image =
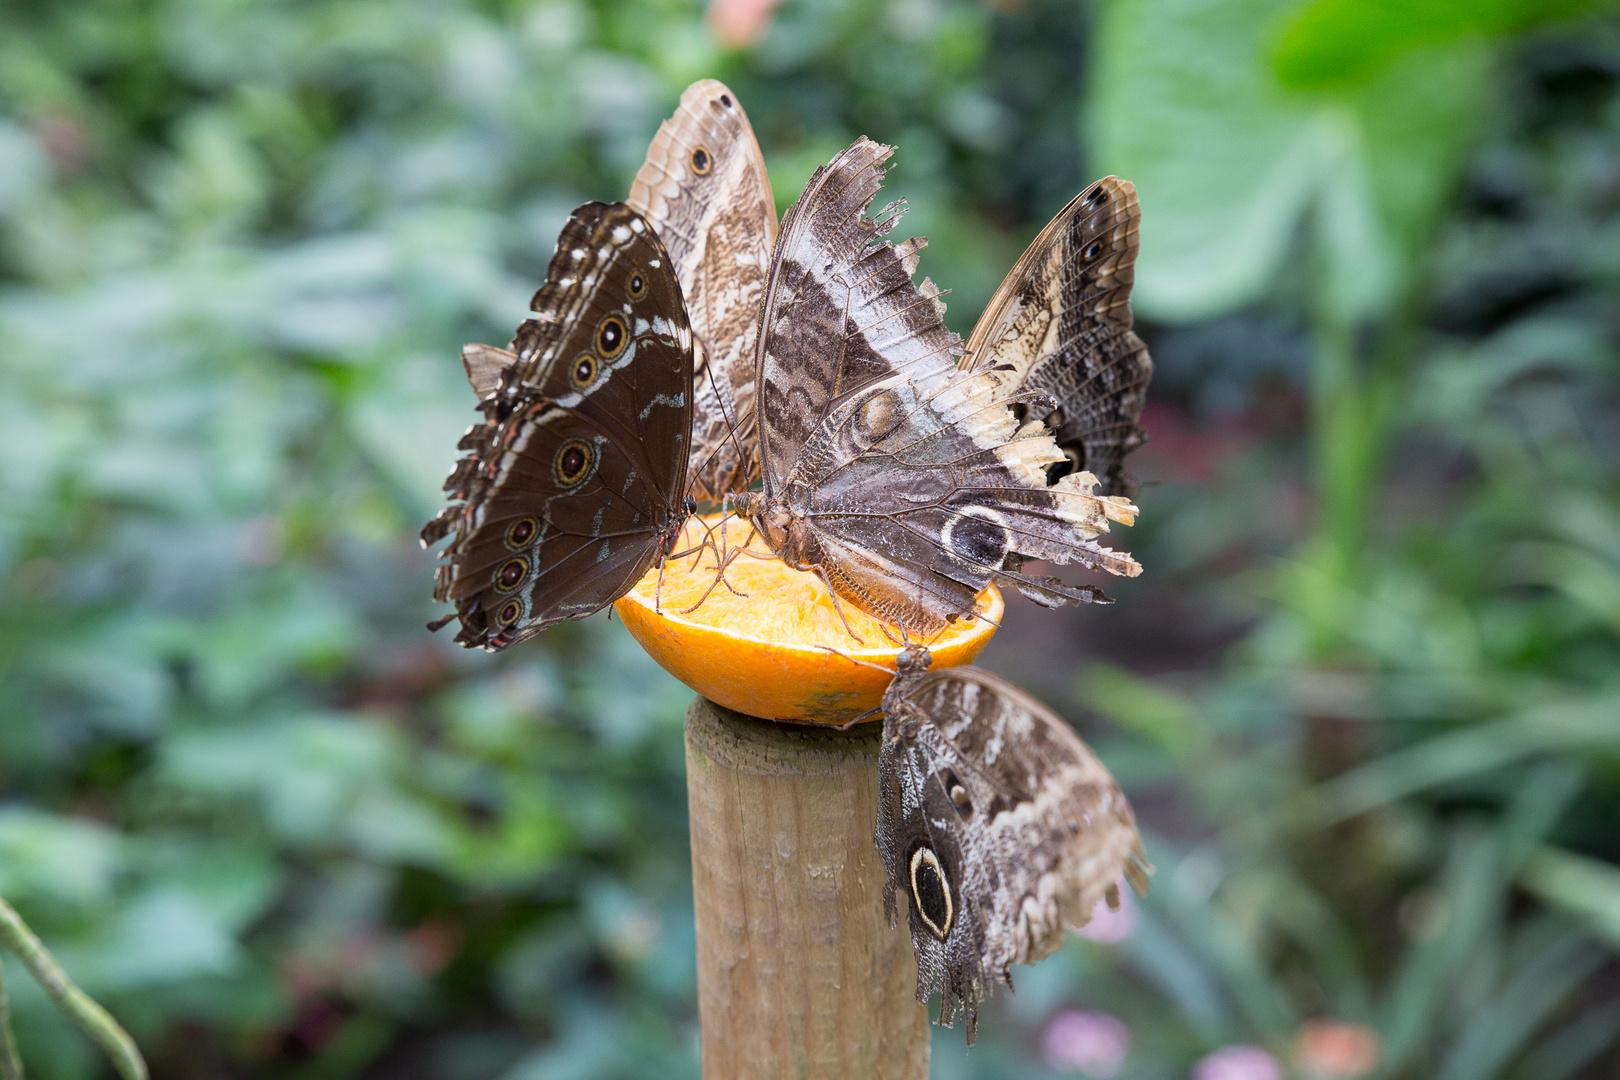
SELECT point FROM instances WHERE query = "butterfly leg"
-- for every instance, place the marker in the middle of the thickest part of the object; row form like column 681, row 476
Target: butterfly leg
column 832, row 592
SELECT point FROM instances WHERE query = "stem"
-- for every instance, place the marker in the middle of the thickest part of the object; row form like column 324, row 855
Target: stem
column 10, row 1061
column 1355, row 404
column 73, row 1002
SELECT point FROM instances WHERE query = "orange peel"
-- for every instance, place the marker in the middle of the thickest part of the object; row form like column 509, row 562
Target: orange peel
column 766, row 649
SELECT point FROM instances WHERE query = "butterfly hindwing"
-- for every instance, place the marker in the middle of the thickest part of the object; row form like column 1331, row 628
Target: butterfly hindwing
column 575, row 483
column 991, row 793
column 1062, row 321
column 704, row 189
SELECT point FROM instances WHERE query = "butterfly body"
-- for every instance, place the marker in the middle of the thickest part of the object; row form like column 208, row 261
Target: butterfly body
column 997, row 825
column 575, row 483
column 902, row 478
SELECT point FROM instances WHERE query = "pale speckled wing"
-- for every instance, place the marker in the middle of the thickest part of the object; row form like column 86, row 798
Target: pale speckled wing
column 705, row 190
column 1062, row 321
column 1029, row 827
column 912, row 484
column 485, row 364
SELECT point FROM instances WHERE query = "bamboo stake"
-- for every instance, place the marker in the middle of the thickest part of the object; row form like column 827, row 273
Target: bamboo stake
column 799, row 973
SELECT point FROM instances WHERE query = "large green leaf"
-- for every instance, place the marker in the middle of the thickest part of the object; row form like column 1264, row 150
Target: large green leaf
column 1229, row 162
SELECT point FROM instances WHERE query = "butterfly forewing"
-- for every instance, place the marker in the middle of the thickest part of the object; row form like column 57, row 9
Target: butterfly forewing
column 575, row 484
column 704, row 189
column 1028, row 828
column 1062, row 321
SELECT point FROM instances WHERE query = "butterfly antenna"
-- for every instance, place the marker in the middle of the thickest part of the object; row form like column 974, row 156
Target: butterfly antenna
column 722, row 395
column 846, row 725
column 857, row 660
column 727, row 407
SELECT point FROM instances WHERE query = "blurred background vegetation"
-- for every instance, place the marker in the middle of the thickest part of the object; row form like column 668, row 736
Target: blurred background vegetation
column 1366, row 698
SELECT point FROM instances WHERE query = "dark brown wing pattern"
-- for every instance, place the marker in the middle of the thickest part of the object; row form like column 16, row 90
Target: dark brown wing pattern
column 574, row 484
column 905, row 480
column 705, row 190
column 997, row 824
column 1062, row 321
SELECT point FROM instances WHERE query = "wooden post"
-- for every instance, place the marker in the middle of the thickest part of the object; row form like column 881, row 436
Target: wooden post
column 799, row 974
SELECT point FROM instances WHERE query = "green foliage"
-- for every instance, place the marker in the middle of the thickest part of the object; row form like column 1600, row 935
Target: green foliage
column 282, row 831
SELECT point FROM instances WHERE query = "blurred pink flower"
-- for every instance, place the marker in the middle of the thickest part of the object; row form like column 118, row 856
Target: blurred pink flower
column 1237, row 1063
column 1111, row 926
column 1092, row 1042
column 1333, row 1048
column 738, row 23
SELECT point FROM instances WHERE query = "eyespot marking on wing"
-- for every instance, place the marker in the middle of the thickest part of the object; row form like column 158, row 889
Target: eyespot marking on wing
column 931, row 892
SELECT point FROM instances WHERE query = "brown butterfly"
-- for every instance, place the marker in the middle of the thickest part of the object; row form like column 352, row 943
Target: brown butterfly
column 997, row 823
column 576, row 481
column 1062, row 321
column 903, row 479
column 704, row 189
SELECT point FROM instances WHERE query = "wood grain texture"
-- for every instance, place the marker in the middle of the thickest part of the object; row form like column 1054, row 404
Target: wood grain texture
column 799, row 973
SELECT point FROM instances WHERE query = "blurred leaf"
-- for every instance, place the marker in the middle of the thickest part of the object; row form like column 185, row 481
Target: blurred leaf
column 1228, row 163
column 1498, row 1032
column 50, row 858
column 1166, row 718
column 1572, row 725
column 1334, row 42
column 1587, row 887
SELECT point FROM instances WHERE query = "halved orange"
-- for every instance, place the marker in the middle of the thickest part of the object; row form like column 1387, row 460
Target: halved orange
column 759, row 649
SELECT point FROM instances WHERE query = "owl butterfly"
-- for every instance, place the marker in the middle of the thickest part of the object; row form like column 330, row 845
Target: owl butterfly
column 1062, row 322
column 575, row 482
column 704, row 189
column 905, row 480
column 998, row 825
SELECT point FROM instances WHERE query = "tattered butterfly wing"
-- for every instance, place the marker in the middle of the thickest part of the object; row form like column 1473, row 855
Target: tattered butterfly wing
column 997, row 824
column 575, row 485
column 904, row 479
column 485, row 364
column 841, row 311
column 1062, row 321
column 705, row 190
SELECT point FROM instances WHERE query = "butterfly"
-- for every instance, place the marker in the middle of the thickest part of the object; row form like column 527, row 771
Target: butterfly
column 998, row 825
column 575, row 483
column 704, row 189
column 903, row 479
column 1062, row 321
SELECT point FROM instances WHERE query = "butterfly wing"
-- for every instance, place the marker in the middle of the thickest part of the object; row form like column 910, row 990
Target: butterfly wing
column 1062, row 321
column 908, row 480
column 840, row 309
column 705, row 191
column 999, row 826
column 574, row 484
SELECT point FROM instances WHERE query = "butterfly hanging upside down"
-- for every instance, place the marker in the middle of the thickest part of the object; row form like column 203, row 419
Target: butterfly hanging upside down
column 999, row 826
column 902, row 477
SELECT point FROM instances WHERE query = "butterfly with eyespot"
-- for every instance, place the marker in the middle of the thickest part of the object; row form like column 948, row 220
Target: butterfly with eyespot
column 704, row 189
column 902, row 478
column 575, row 483
column 1062, row 321
column 997, row 823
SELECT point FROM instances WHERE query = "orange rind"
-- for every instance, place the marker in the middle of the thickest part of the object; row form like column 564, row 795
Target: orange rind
column 769, row 642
